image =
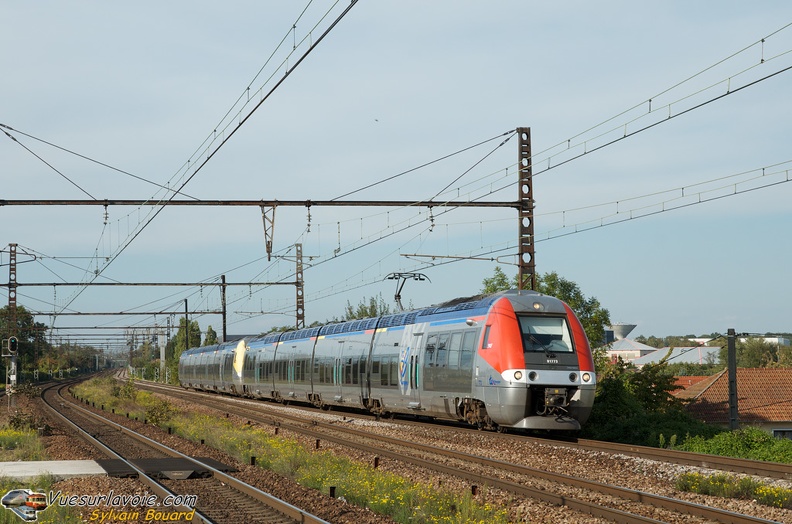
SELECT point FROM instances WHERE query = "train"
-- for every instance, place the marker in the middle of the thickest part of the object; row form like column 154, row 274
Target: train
column 510, row 360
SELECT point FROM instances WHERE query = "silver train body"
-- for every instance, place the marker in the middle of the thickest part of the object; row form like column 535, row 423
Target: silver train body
column 507, row 360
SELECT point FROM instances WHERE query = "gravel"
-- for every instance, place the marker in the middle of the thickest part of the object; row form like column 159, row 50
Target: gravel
column 636, row 473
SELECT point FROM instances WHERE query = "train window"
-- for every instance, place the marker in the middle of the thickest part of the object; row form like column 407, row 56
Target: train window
column 485, row 339
column 395, row 374
column 442, row 350
column 431, row 346
column 545, row 334
column 347, row 371
column 454, row 347
column 384, row 375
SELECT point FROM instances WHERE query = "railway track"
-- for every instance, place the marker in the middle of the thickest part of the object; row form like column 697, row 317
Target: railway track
column 217, row 496
column 612, row 502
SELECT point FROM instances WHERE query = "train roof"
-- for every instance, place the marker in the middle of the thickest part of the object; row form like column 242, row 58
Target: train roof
column 447, row 309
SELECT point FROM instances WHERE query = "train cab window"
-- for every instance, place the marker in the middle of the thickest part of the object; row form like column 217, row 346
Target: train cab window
column 485, row 338
column 545, row 334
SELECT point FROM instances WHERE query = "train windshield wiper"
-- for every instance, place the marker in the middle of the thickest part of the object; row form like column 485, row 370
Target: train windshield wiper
column 545, row 347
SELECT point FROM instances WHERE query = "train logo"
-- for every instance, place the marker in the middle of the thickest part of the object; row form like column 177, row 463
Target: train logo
column 25, row 503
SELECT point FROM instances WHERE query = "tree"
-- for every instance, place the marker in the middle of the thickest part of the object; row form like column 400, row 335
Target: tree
column 32, row 336
column 753, row 353
column 211, row 337
column 376, row 307
column 592, row 315
column 785, row 356
column 498, row 282
column 178, row 344
column 652, row 341
column 680, row 342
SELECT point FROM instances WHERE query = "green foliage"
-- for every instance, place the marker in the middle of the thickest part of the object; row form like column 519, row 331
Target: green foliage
column 20, row 442
column 653, row 387
column 746, row 488
column 126, row 399
column 375, row 307
column 750, row 443
column 158, row 411
column 636, row 407
column 498, row 282
column 128, row 391
column 689, row 369
column 178, row 344
column 753, row 353
column 211, row 337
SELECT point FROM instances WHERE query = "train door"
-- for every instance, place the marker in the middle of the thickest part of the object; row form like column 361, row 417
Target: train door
column 338, row 372
column 415, row 393
column 409, row 365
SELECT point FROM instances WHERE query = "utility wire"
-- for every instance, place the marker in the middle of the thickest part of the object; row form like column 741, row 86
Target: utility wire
column 213, row 152
column 416, row 168
column 89, row 159
column 72, row 182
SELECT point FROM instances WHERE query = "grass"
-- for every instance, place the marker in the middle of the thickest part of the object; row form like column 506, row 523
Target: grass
column 746, row 488
column 360, row 484
column 20, row 444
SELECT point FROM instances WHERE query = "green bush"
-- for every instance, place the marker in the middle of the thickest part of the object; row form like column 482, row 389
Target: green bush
column 750, row 443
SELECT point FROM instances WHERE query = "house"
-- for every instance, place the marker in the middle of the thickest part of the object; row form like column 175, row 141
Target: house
column 628, row 350
column 764, row 399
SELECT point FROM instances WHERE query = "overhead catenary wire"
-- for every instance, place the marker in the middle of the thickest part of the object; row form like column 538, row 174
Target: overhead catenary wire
column 89, row 159
column 505, row 187
column 69, row 180
column 143, row 225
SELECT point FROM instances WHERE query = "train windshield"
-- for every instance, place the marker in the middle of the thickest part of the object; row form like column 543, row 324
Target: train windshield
column 548, row 334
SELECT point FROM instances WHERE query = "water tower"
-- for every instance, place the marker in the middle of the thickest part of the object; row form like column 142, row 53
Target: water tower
column 621, row 331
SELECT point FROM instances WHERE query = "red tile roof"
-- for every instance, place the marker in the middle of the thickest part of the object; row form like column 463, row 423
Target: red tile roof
column 763, row 395
column 689, row 380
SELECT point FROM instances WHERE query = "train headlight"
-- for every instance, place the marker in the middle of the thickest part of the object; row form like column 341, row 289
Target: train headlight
column 586, row 377
column 573, row 377
column 517, row 375
column 538, row 306
column 532, row 375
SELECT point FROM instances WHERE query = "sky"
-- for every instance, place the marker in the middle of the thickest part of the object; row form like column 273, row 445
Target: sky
column 659, row 131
